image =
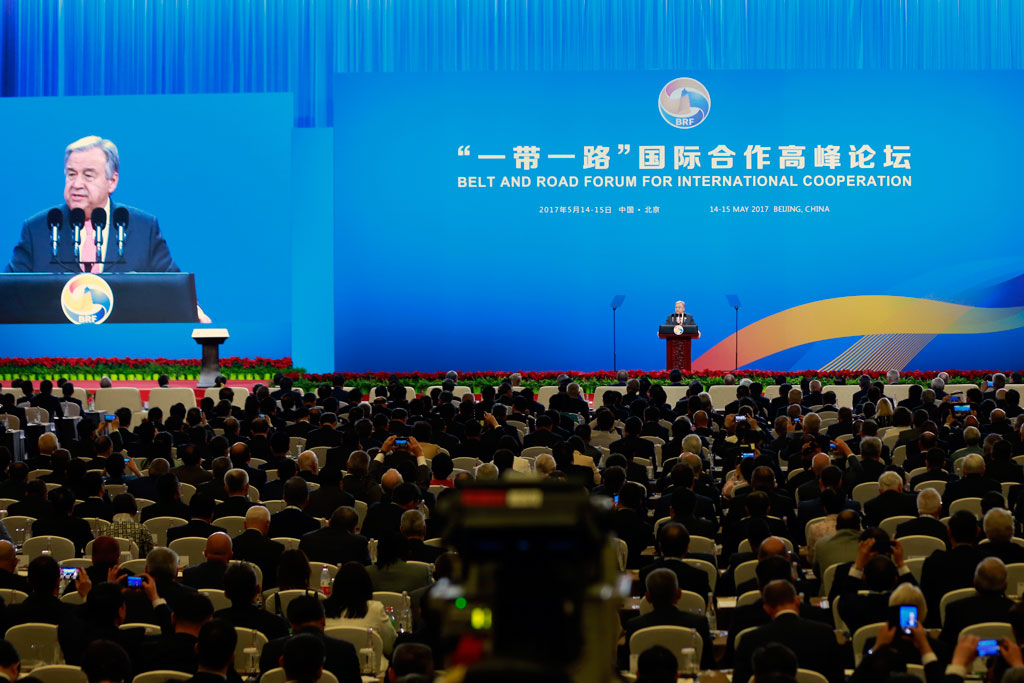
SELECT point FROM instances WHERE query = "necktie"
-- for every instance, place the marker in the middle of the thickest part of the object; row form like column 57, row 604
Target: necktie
column 88, row 249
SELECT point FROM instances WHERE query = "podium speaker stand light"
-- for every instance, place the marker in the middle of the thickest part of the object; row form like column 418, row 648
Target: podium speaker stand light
column 211, row 339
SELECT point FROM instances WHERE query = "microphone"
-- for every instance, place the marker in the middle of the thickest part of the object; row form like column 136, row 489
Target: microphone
column 77, row 223
column 56, row 220
column 121, row 221
column 99, row 221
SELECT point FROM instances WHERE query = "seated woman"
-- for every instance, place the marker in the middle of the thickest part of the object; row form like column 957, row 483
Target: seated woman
column 293, row 573
column 351, row 603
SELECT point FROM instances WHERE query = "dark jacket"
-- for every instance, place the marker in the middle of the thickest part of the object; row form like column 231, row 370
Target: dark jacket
column 335, row 546
column 342, row 660
column 252, row 546
column 813, row 643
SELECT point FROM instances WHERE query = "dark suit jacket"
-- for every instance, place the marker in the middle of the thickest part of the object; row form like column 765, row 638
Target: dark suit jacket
column 251, row 616
column 634, row 445
column 974, row 610
column 72, row 528
column 925, row 526
column 37, row 607
column 690, row 578
column 813, row 643
column 889, row 504
column 145, row 250
column 49, row 403
column 252, row 546
column 205, row 575
column 944, row 571
column 335, row 546
column 382, row 518
column 326, row 499
column 421, row 552
column 172, row 509
column 291, row 523
column 673, row 616
column 971, row 486
column 234, row 506
column 13, row 581
column 323, row 436
column 1009, row 553
column 342, row 660
column 541, row 437
column 754, row 615
column 638, row 534
column 143, row 487
column 195, row 528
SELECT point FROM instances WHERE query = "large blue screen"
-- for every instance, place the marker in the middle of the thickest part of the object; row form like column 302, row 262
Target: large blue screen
column 906, row 263
column 216, row 170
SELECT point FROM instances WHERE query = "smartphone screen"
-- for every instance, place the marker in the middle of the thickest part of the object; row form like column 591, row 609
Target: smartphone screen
column 954, row 399
column 68, row 573
column 987, row 648
column 108, row 418
column 961, row 409
column 741, row 418
column 135, row 582
column 748, row 455
column 908, row 617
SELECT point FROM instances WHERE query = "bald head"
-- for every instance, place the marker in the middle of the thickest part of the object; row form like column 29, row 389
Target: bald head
column 48, row 443
column 258, row 517
column 820, row 462
column 8, row 557
column 218, row 547
column 308, row 462
column 773, row 546
column 390, row 480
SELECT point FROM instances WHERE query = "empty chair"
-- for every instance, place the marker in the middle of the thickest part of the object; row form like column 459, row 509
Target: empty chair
column 165, row 397
column 972, row 505
column 112, row 398
column 745, row 572
column 861, row 637
column 60, row 673
column 158, row 526
column 233, row 524
column 744, row 546
column 862, row 493
column 920, row 546
column 35, row 643
column 673, row 638
column 126, row 546
column 217, row 597
column 191, row 547
column 359, row 637
column 11, row 596
column 276, row 601
column 58, row 547
column 748, row 598
column 161, row 675
column 278, row 676
column 889, row 524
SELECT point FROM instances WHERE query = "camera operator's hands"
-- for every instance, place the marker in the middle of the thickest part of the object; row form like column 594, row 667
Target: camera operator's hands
column 83, row 584
column 389, row 444
column 1011, row 652
column 112, row 573
column 843, row 447
column 415, row 448
column 133, row 467
column 966, row 651
column 491, row 421
column 149, row 587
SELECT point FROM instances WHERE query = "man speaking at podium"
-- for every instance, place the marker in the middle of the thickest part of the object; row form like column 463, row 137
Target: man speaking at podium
column 683, row 320
column 90, row 177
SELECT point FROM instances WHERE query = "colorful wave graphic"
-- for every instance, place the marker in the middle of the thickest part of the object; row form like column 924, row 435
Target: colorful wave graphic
column 895, row 328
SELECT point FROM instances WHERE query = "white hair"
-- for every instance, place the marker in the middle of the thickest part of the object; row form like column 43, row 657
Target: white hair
column 257, row 513
column 974, row 464
column 544, row 464
column 893, row 376
column 746, row 382
column 889, row 481
column 814, row 385
column 91, row 141
column 884, row 407
column 929, row 501
column 705, row 399
column 938, row 384
column 998, row 525
column 487, row 471
column 909, row 594
column 692, row 444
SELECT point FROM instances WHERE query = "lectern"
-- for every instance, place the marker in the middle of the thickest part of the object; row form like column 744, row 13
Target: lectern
column 677, row 345
column 211, row 338
column 126, row 297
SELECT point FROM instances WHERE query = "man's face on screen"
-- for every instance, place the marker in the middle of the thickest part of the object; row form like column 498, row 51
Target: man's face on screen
column 86, row 185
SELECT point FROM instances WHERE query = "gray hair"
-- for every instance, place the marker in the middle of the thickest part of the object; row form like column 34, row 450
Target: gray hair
column 812, row 423
column 974, row 464
column 893, row 376
column 692, row 444
column 235, row 480
column 998, row 525
column 938, row 384
column 91, row 141
column 705, row 400
column 929, row 501
column 909, row 594
column 413, row 525
column 162, row 563
column 544, row 464
column 972, row 435
column 890, row 481
column 870, row 446
column 515, row 379
column 795, row 395
column 573, row 390
column 990, row 576
column 928, row 396
column 998, row 380
column 622, row 376
column 487, row 471
column 814, row 385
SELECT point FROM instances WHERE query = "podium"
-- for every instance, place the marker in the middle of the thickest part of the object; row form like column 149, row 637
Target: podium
column 677, row 346
column 27, row 298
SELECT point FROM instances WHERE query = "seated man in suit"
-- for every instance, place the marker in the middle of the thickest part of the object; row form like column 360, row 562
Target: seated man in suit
column 215, row 652
column 935, row 464
column 252, row 545
column 873, row 541
column 998, row 526
column 292, row 521
column 200, row 516
column 890, row 501
column 813, row 643
column 947, row 570
column 236, row 485
column 929, row 507
column 877, row 577
column 414, row 527
column 63, row 524
column 629, row 524
column 177, row 650
column 338, row 542
column 210, row 574
column 663, row 592
column 673, row 546
column 990, row 604
column 306, row 616
column 242, row 589
column 974, row 483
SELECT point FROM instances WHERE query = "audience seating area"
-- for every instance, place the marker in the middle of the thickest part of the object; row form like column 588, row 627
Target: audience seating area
column 744, row 516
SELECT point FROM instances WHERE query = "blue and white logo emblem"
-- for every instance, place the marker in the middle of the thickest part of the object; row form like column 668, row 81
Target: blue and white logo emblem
column 684, row 103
